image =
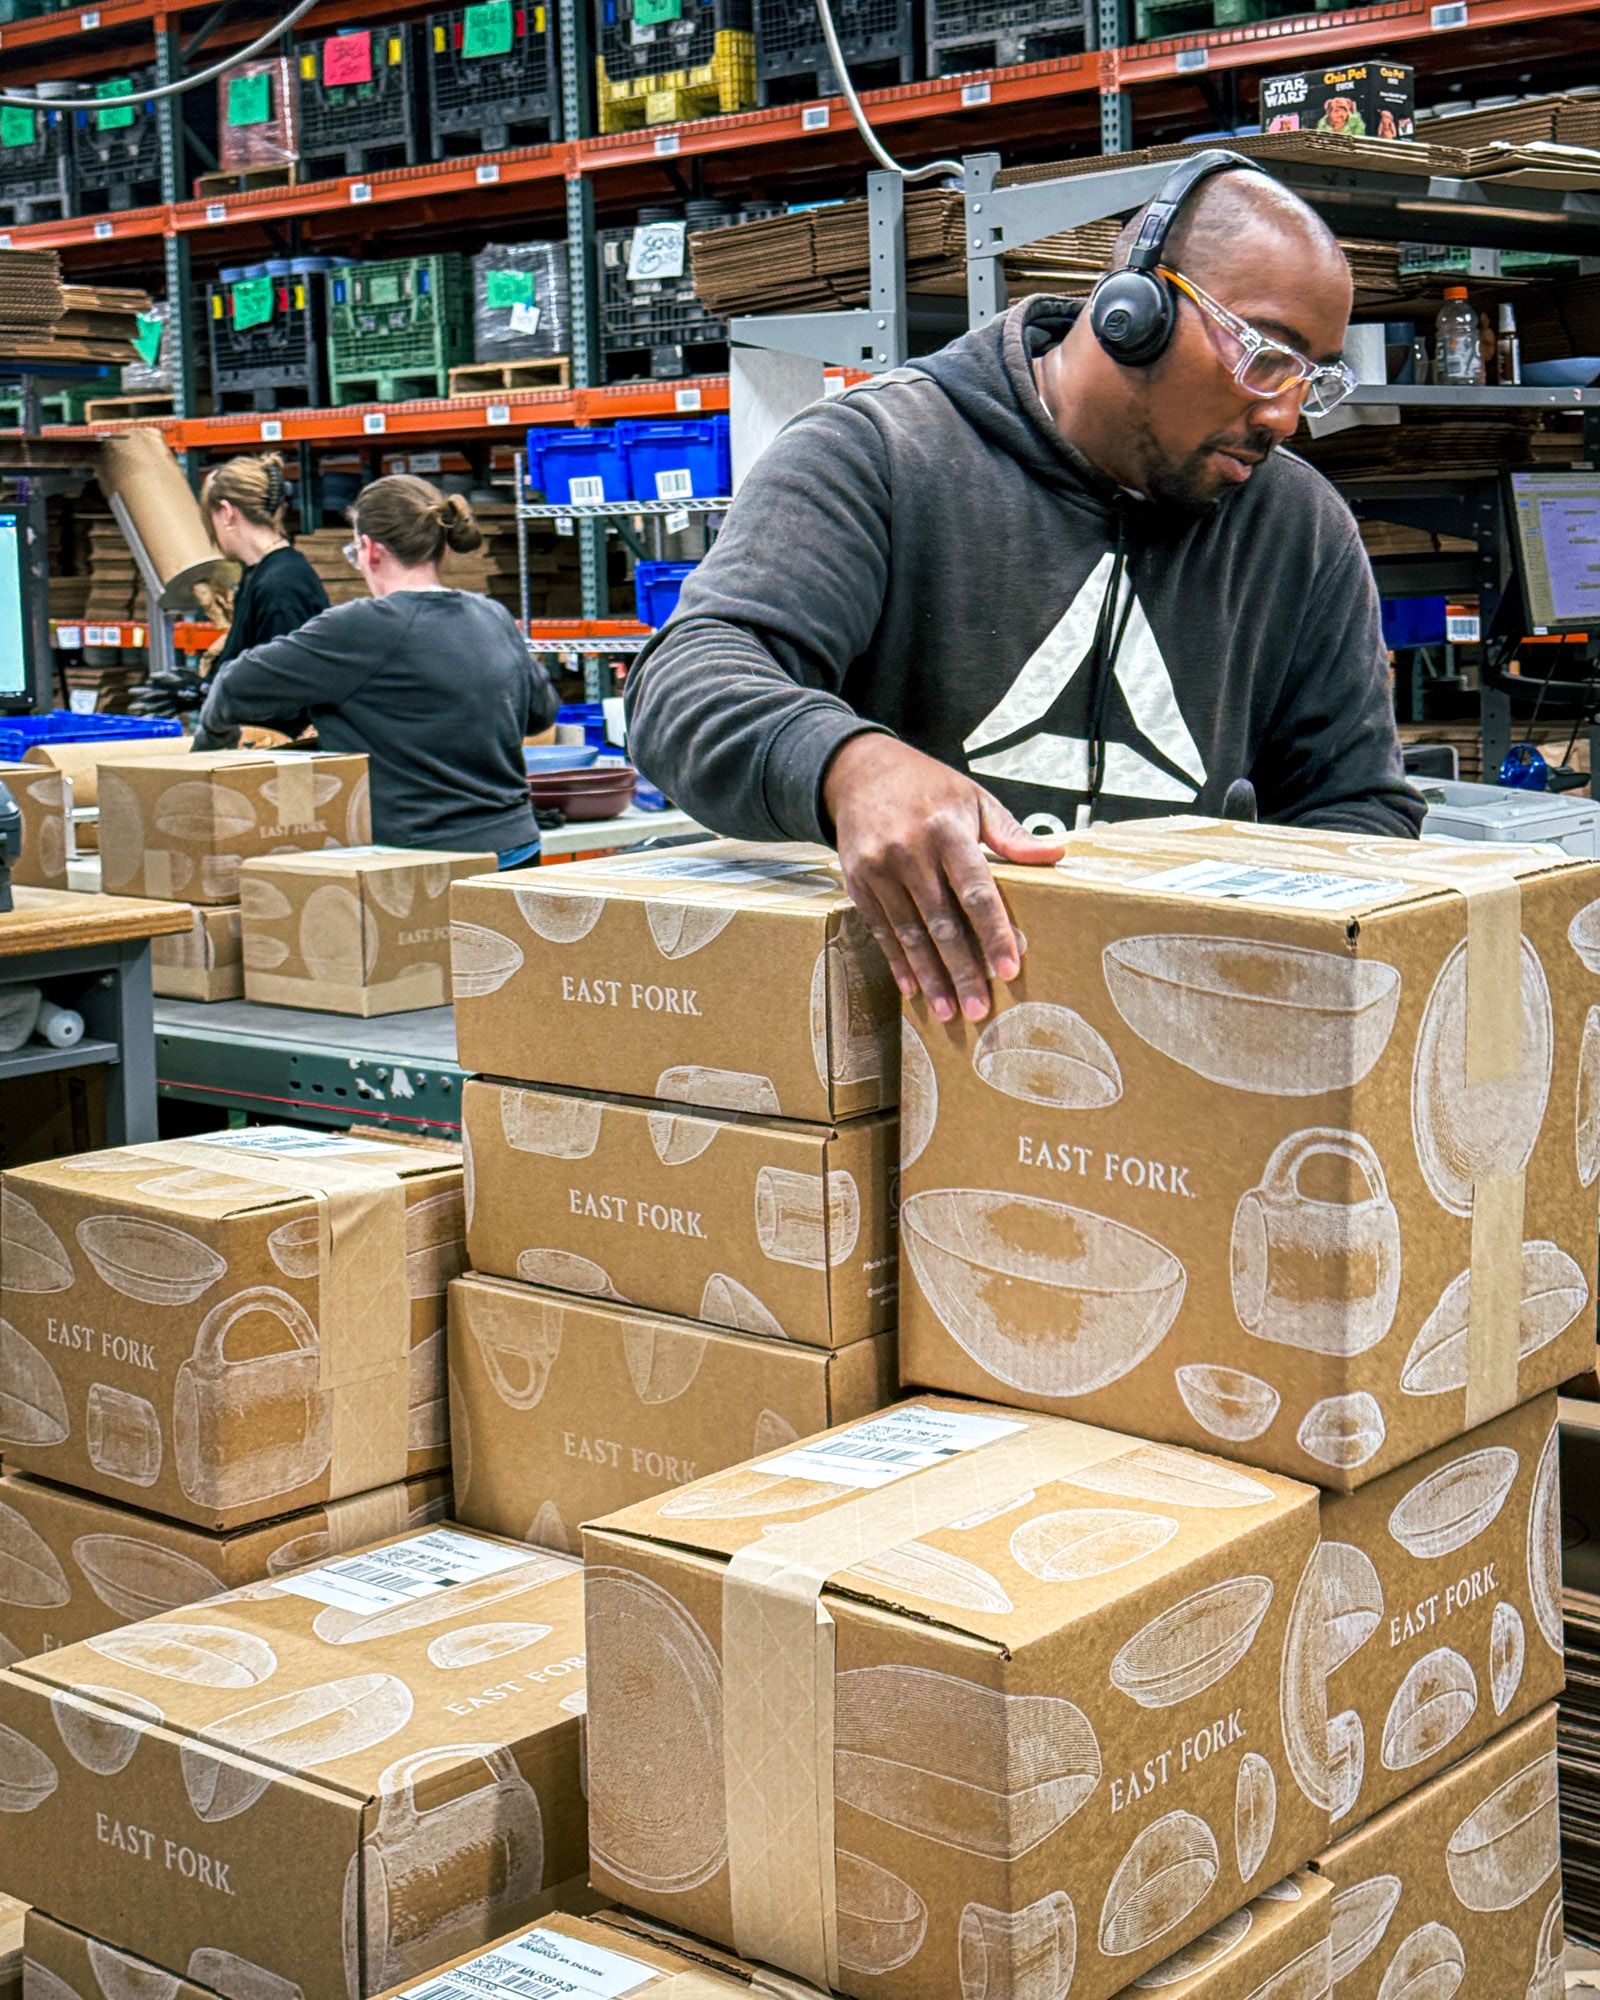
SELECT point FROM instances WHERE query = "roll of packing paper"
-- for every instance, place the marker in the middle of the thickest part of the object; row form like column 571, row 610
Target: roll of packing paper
column 61, row 1027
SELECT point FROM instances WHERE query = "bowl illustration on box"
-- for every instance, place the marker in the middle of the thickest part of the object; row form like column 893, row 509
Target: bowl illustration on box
column 1027, row 1954
column 305, row 1729
column 557, row 917
column 1054, row 1300
column 852, row 1012
column 1255, row 1813
column 1163, row 1879
column 32, row 1257
column 149, row 1261
column 251, row 1425
column 882, row 1920
column 30, row 1575
column 1508, row 1847
column 1282, row 1020
column 138, row 1579
column 1554, row 1292
column 200, row 1655
column 936, row 1576
column 33, row 1409
column 1361, row 1918
column 101, row 1739
column 1045, row 1054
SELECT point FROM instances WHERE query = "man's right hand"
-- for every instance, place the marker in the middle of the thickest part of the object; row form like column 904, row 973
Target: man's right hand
column 910, row 833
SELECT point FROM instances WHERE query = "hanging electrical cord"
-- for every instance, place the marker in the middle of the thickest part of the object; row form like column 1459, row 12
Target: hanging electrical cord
column 175, row 89
column 869, row 138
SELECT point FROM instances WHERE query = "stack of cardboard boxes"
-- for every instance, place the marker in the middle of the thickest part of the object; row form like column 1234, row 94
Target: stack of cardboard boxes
column 680, row 1165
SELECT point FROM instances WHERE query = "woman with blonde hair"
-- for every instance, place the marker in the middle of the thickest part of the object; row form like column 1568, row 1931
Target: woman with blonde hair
column 243, row 501
column 436, row 686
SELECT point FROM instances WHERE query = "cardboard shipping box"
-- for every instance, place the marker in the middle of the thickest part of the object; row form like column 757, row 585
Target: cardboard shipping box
column 1458, row 1887
column 1443, row 1582
column 563, row 1409
column 755, row 1223
column 78, row 763
column 226, row 1328
column 204, row 963
column 178, row 827
column 1283, row 1145
column 1059, row 1670
column 13, row 1927
column 73, row 1566
column 1351, row 100
column 731, row 975
column 332, row 1781
column 351, row 932
column 44, row 801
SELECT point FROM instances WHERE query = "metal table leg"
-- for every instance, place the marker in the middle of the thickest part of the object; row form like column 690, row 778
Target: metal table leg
column 117, row 1008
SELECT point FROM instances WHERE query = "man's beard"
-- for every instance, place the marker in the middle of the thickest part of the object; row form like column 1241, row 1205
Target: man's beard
column 1188, row 487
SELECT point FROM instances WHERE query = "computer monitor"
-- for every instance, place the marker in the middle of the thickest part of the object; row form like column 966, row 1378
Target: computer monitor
column 1555, row 518
column 15, row 687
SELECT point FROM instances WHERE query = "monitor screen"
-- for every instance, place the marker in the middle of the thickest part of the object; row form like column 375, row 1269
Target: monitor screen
column 13, row 614
column 1556, row 522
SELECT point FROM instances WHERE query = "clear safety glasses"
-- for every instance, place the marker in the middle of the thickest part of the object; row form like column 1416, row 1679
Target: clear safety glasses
column 1265, row 368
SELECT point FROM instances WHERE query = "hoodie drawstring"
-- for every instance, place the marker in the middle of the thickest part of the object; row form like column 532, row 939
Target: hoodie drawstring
column 1109, row 629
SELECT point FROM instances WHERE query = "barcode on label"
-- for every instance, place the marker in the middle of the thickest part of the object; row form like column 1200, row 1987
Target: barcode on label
column 565, row 525
column 1462, row 628
column 102, row 230
column 901, row 1442
column 361, row 190
column 271, row 430
column 497, row 413
column 882, row 1454
column 976, row 93
column 89, row 20
column 216, row 211
column 541, row 1965
column 667, row 142
column 1192, row 59
column 487, row 172
column 677, row 521
column 69, row 635
column 5, row 239
column 814, row 118
column 419, row 1567
column 374, row 422
column 678, row 484
column 686, row 399
column 1229, row 882
column 588, row 492
column 1453, row 14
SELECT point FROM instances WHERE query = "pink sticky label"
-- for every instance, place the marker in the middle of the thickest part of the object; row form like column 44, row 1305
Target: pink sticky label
column 347, row 59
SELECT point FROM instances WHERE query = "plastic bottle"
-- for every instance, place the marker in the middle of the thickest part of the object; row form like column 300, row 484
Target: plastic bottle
column 1457, row 352
column 1508, row 350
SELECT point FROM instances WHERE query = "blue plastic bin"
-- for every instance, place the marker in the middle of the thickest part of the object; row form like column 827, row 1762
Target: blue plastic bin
column 557, row 457
column 19, row 733
column 590, row 717
column 657, row 587
column 687, row 460
column 1413, row 621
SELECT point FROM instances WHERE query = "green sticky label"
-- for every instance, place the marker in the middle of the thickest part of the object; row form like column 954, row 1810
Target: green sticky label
column 119, row 117
column 649, row 13
column 16, row 125
column 252, row 303
column 510, row 288
column 147, row 338
column 250, row 99
column 486, row 30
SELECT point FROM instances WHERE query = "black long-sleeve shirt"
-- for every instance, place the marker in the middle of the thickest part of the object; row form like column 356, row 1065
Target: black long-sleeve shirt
column 274, row 596
column 437, row 687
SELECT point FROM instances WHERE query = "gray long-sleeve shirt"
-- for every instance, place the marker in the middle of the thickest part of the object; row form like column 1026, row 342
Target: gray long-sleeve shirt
column 436, row 686
column 927, row 554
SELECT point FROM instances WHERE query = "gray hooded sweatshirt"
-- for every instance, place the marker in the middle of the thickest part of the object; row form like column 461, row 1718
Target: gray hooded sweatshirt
column 928, row 555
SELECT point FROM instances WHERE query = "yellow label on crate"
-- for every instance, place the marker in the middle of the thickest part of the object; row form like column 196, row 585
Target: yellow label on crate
column 299, row 297
column 216, row 305
column 396, row 53
column 308, row 65
column 538, row 20
column 438, row 40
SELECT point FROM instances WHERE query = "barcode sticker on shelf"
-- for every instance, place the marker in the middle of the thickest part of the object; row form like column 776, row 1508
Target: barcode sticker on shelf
column 667, row 142
column 374, row 423
column 82, row 701
column 565, row 525
column 379, row 1579
column 102, row 230
column 1192, row 59
column 1233, row 882
column 678, row 484
column 89, row 20
column 685, row 400
column 540, row 1965
column 70, row 635
column 975, row 93
column 587, row 492
column 92, row 636
column 890, row 1447
column 1452, row 14
column 814, row 118
column 271, row 430
column 677, row 521
column 5, row 239
column 138, row 638
column 216, row 211
column 421, row 461
column 487, row 173
column 1461, row 628
column 497, row 413
column 361, row 190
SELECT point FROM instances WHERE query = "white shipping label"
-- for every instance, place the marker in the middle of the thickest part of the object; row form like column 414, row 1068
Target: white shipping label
column 1231, row 882
column 524, row 318
column 678, row 521
column 541, row 1966
column 675, row 485
column 889, row 1447
column 379, row 1579
column 657, row 251
column 290, row 1139
column 587, row 492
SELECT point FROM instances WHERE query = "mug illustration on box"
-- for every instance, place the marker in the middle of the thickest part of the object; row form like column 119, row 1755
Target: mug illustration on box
column 1319, row 1270
column 250, row 1428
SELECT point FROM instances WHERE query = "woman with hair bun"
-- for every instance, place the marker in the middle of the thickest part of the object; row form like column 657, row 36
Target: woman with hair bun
column 242, row 501
column 436, row 686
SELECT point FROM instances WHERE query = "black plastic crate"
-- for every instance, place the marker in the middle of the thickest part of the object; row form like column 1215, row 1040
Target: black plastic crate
column 117, row 153
column 35, row 165
column 269, row 363
column 494, row 77
column 630, row 46
column 878, row 39
column 361, row 95
column 995, row 34
column 655, row 325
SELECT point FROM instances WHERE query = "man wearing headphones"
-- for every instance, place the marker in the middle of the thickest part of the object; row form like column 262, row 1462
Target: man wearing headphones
column 1057, row 573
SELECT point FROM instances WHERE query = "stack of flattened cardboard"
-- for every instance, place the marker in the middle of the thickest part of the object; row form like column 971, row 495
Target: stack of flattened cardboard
column 43, row 320
column 681, row 1149
column 30, row 290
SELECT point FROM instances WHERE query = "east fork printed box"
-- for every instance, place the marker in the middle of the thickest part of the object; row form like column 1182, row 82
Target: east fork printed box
column 327, row 1783
column 1443, row 1589
column 1458, row 1887
column 351, row 932
column 231, row 1327
column 203, row 963
column 1069, row 1688
column 731, row 975
column 759, row 1224
column 1283, row 1145
column 42, row 799
column 73, row 1566
column 178, row 827
column 563, row 1409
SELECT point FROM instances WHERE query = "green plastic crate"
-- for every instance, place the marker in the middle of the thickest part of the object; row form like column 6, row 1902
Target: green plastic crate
column 396, row 328
column 56, row 406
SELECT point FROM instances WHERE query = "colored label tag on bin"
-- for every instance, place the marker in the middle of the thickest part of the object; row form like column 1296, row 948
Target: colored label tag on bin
column 252, row 303
column 250, row 99
column 120, row 116
column 16, row 125
column 347, row 59
column 147, row 338
column 486, row 29
column 509, row 288
column 648, row 13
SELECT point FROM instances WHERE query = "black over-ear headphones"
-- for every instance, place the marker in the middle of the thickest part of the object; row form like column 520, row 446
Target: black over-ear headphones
column 1134, row 311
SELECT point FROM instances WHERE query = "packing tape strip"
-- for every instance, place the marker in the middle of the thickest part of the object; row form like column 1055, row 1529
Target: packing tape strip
column 296, row 790
column 777, row 1678
column 367, row 1517
column 158, row 873
column 365, row 1303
